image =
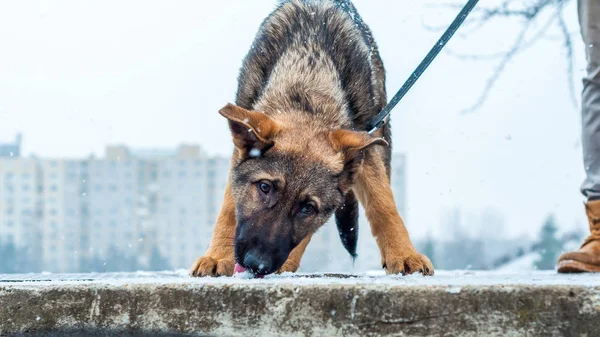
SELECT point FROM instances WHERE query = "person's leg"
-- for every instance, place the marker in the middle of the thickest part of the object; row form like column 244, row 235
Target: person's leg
column 589, row 18
column 587, row 258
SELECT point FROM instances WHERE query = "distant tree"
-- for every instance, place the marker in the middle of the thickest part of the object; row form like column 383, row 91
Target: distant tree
column 158, row 261
column 504, row 259
column 429, row 249
column 114, row 261
column 9, row 258
column 92, row 264
column 462, row 251
column 15, row 259
column 549, row 245
column 119, row 261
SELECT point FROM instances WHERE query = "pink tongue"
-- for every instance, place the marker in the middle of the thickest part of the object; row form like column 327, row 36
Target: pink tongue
column 239, row 269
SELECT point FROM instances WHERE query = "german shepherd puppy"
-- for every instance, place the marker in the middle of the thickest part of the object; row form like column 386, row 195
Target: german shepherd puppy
column 308, row 89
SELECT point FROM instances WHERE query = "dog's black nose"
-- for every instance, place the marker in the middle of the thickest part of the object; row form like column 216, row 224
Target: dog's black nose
column 258, row 264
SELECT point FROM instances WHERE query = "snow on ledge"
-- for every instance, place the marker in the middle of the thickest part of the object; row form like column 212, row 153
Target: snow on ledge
column 454, row 279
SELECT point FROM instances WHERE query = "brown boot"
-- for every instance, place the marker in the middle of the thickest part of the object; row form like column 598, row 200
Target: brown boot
column 587, row 258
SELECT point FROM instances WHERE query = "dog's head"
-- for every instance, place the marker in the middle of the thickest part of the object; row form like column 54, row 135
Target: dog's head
column 288, row 178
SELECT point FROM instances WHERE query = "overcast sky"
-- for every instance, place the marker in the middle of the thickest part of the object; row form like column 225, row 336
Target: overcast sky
column 78, row 75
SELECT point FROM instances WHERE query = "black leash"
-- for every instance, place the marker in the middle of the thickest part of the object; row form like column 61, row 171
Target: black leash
column 380, row 119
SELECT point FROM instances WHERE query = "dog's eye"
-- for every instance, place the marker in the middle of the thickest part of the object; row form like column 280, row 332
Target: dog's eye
column 264, row 187
column 307, row 209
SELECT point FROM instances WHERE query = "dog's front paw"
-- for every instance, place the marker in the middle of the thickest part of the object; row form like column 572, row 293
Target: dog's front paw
column 208, row 266
column 408, row 264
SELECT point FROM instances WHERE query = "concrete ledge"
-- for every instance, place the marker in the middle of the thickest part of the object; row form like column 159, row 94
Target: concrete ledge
column 171, row 304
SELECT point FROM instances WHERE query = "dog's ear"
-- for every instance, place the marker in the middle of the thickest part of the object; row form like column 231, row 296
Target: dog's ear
column 252, row 131
column 351, row 143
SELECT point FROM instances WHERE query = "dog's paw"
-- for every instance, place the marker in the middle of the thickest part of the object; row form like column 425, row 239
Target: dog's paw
column 408, row 264
column 208, row 266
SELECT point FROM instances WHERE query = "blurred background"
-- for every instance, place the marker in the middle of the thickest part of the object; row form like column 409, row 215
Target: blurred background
column 113, row 156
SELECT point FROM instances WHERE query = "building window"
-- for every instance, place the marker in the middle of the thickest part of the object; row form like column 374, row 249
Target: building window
column 26, row 187
column 98, row 188
column 53, row 188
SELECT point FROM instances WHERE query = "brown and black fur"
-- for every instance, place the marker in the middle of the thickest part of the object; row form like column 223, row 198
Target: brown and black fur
column 308, row 89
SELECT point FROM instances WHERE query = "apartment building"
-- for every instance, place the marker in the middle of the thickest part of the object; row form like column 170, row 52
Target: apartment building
column 190, row 191
column 11, row 149
column 63, row 221
column 136, row 201
column 20, row 202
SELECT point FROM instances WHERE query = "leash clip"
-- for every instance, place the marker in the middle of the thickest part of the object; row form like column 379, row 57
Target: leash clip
column 377, row 126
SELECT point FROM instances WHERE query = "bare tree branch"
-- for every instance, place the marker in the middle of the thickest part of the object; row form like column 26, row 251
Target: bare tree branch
column 568, row 44
column 527, row 12
column 500, row 55
column 498, row 71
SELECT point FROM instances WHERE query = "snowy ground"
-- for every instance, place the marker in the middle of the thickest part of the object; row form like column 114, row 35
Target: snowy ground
column 442, row 278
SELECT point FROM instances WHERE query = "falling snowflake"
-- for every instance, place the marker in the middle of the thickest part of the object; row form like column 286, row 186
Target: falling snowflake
column 254, row 153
